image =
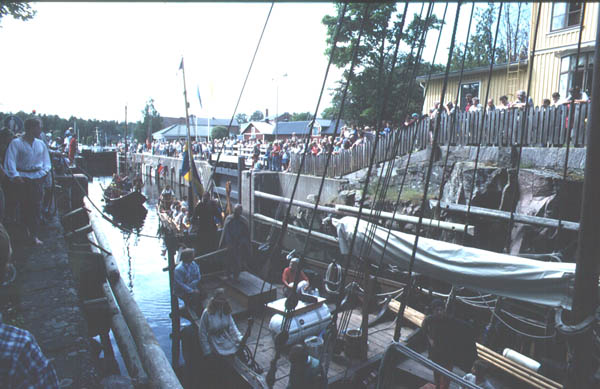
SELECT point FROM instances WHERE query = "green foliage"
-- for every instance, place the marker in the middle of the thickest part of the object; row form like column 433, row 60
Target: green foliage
column 16, row 9
column 110, row 130
column 219, row 132
column 301, row 116
column 257, row 116
column 151, row 123
column 241, row 118
column 364, row 100
column 513, row 37
column 329, row 113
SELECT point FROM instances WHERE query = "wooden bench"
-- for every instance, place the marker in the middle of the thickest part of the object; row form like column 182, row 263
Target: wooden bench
column 524, row 374
column 248, row 290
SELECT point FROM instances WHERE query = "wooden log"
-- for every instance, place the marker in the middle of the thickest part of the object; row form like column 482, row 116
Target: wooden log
column 298, row 203
column 503, row 215
column 317, row 235
column 518, row 371
column 517, row 368
column 152, row 356
column 407, row 219
column 124, row 339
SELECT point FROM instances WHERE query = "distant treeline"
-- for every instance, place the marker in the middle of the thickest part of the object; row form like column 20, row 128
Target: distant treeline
column 108, row 130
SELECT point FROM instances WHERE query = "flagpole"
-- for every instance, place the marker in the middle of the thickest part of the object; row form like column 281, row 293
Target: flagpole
column 191, row 201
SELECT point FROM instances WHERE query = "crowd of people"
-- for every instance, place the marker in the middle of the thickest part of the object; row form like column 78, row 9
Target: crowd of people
column 473, row 103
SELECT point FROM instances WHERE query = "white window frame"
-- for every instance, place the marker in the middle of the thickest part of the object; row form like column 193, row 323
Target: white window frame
column 566, row 25
column 460, row 91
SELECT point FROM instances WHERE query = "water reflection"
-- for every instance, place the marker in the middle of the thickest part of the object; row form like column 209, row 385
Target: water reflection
column 138, row 253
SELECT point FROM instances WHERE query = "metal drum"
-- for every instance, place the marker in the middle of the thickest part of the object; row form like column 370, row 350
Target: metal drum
column 304, row 325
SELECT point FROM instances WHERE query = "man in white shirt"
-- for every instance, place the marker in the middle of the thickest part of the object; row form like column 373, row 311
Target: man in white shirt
column 26, row 163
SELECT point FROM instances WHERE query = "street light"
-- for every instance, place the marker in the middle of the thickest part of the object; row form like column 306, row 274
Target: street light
column 276, row 79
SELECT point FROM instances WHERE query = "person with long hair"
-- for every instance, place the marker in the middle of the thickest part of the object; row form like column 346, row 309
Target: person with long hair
column 219, row 338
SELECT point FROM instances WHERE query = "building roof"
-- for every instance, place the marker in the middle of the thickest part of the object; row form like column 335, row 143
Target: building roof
column 468, row 72
column 289, row 128
column 179, row 130
column 262, row 127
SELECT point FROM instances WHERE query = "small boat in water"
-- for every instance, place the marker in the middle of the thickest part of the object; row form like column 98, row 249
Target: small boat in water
column 124, row 202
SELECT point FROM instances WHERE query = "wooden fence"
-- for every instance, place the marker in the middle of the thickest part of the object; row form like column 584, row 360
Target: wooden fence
column 539, row 127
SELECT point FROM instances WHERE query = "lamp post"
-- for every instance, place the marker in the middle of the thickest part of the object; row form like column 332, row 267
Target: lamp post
column 276, row 79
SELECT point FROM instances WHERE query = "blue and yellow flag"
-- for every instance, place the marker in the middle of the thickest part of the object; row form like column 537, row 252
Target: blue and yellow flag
column 191, row 175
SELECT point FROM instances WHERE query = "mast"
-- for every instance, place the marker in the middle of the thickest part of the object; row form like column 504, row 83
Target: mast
column 585, row 299
column 126, row 139
column 191, row 201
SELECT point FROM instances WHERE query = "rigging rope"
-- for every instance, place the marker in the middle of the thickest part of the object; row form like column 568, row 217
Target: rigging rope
column 571, row 123
column 281, row 340
column 481, row 127
column 346, row 315
column 417, row 60
column 427, row 179
column 211, row 180
column 453, row 121
column 523, row 121
column 369, row 237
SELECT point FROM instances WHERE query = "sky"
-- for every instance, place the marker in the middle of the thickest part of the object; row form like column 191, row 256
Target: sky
column 89, row 60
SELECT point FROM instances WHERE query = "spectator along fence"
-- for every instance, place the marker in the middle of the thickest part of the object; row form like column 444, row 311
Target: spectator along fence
column 540, row 127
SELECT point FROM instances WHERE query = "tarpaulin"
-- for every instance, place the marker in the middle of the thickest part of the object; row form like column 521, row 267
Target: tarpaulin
column 547, row 283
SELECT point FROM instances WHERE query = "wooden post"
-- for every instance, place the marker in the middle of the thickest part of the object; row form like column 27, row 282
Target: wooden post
column 153, row 357
column 175, row 316
column 124, row 339
column 364, row 325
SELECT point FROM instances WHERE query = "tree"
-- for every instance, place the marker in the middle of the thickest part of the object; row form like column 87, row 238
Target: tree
column 257, row 116
column 364, row 100
column 151, row 123
column 301, row 116
column 18, row 10
column 219, row 132
column 241, row 118
column 513, row 37
column 515, row 30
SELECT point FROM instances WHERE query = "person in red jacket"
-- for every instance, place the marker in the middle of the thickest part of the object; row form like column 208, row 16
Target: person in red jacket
column 289, row 277
column 73, row 148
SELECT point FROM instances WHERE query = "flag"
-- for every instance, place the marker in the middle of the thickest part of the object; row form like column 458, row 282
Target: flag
column 181, row 64
column 191, row 175
column 199, row 99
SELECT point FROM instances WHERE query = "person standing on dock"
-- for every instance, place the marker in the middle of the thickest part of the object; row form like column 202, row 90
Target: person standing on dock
column 26, row 163
column 236, row 237
column 22, row 363
column 203, row 221
column 187, row 281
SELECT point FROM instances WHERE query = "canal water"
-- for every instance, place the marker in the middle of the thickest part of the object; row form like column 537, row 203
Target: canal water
column 141, row 256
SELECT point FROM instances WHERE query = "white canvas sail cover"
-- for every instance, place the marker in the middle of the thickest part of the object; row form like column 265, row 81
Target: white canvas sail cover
column 547, row 283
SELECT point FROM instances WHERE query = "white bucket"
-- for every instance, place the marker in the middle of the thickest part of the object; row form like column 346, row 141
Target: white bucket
column 313, row 346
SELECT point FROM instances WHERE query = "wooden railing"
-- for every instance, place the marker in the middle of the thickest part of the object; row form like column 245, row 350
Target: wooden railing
column 539, row 127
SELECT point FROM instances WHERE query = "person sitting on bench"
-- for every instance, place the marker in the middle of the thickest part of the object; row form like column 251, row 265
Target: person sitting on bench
column 289, row 277
column 187, row 281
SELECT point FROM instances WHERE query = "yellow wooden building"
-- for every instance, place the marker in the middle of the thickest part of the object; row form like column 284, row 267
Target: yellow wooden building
column 553, row 64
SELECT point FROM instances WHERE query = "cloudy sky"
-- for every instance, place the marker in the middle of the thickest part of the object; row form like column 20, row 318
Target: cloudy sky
column 91, row 59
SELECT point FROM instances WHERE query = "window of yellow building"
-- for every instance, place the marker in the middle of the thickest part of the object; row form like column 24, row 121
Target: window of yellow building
column 471, row 88
column 565, row 15
column 576, row 76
